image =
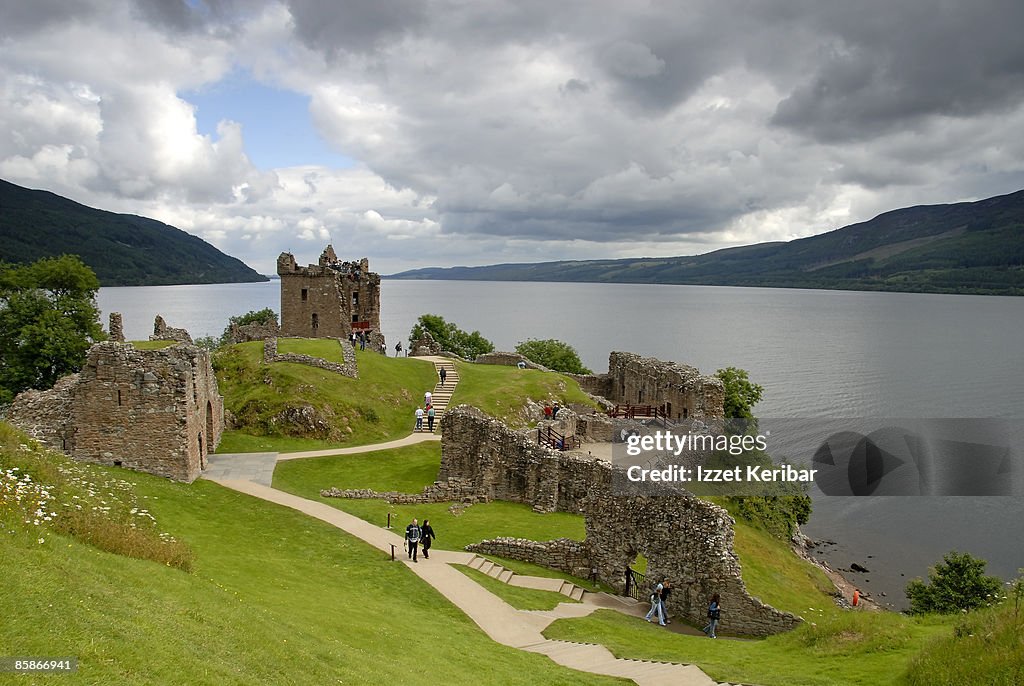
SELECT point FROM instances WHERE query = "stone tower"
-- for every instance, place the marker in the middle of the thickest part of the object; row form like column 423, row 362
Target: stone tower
column 331, row 299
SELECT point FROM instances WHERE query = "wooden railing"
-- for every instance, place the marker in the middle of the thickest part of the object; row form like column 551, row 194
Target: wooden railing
column 552, row 439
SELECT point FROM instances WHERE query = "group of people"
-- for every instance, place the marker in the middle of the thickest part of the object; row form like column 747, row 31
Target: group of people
column 416, row 536
column 660, row 594
column 427, row 411
column 551, row 411
column 359, row 339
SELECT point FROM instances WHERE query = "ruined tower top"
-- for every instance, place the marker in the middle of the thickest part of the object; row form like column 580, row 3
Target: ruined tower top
column 330, row 299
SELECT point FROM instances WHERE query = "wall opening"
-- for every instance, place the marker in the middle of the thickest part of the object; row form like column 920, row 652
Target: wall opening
column 305, row 294
column 316, row 321
column 120, row 401
column 355, row 300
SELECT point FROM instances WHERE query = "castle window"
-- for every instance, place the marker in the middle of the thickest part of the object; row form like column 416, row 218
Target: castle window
column 305, row 294
column 119, row 400
column 316, row 320
column 355, row 318
column 355, row 300
column 641, row 397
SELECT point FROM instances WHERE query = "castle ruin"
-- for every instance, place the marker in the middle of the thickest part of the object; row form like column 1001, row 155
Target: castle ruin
column 331, row 299
column 156, row 411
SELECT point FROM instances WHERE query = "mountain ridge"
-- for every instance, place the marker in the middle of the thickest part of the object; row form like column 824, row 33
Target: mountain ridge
column 967, row 247
column 123, row 249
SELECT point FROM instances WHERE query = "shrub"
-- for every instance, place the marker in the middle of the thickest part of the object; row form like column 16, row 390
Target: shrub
column 957, row 583
column 553, row 354
column 450, row 337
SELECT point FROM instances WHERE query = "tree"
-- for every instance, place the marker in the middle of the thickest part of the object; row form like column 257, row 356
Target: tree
column 958, row 583
column 450, row 337
column 552, row 354
column 48, row 320
column 740, row 393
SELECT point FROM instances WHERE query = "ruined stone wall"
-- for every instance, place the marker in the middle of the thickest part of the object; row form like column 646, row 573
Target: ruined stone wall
column 162, row 332
column 683, row 537
column 509, row 360
column 325, row 299
column 424, row 345
column 253, row 332
column 349, row 368
column 563, row 554
column 157, row 411
column 116, row 327
column 595, row 384
column 637, row 380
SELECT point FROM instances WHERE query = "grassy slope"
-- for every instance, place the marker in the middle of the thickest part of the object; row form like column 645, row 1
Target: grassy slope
column 324, row 348
column 376, row 407
column 778, row 577
column 987, row 647
column 276, row 597
column 409, row 469
column 862, row 648
column 502, row 391
column 519, row 598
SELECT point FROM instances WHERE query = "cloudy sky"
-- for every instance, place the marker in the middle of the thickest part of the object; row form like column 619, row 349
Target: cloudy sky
column 445, row 132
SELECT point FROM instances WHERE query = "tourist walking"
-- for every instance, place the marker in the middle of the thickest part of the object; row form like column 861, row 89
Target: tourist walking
column 427, row 536
column 362, row 340
column 419, row 419
column 430, row 419
column 412, row 539
column 714, row 613
column 444, row 375
column 554, row 410
column 548, row 411
column 656, row 605
column 426, row 399
column 666, row 590
column 398, row 349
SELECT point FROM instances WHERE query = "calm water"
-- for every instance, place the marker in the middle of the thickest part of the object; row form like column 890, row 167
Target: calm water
column 817, row 353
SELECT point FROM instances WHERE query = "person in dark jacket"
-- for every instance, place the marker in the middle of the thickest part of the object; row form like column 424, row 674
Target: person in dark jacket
column 413, row 533
column 426, row 536
column 714, row 613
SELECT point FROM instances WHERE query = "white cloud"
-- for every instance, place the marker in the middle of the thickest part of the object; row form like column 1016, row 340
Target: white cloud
column 489, row 132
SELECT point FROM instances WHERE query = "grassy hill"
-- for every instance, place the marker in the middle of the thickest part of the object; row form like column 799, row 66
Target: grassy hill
column 274, row 598
column 123, row 249
column 286, row 406
column 971, row 247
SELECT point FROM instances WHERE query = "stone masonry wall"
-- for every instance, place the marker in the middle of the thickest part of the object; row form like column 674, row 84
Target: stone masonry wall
column 563, row 554
column 157, row 411
column 637, row 380
column 253, row 332
column 349, row 368
column 687, row 539
column 162, row 332
column 325, row 300
column 509, row 360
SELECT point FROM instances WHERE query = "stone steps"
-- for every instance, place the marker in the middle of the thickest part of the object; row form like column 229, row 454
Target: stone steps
column 440, row 395
column 537, row 583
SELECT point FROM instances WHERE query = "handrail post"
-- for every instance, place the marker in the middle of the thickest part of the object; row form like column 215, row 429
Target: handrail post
column 392, row 552
column 389, row 520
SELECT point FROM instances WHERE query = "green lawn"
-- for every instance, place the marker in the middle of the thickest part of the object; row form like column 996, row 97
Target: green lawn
column 502, row 391
column 275, row 597
column 376, row 407
column 324, row 348
column 409, row 470
column 855, row 648
column 519, row 598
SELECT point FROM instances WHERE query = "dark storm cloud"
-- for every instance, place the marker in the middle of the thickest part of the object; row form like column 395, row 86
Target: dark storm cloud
column 19, row 17
column 354, row 25
column 888, row 67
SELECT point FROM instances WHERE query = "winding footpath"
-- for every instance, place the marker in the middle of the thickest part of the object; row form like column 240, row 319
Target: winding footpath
column 251, row 474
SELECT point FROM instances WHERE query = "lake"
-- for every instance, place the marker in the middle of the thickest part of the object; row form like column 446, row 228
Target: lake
column 817, row 354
